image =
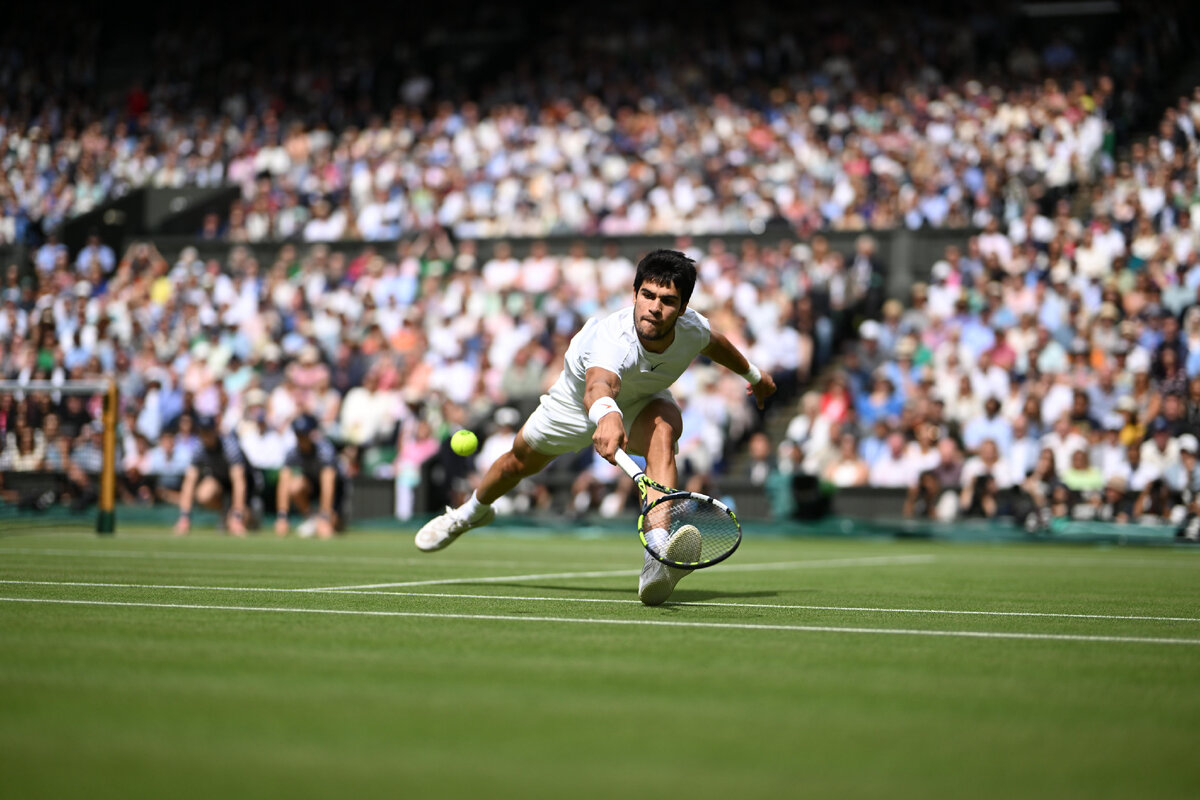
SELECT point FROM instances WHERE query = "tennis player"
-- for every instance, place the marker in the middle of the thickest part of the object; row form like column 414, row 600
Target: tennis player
column 614, row 394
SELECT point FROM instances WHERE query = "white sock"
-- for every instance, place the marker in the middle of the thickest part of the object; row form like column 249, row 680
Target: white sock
column 472, row 509
column 657, row 538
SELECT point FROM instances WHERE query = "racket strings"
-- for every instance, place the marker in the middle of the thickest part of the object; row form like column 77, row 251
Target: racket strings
column 718, row 530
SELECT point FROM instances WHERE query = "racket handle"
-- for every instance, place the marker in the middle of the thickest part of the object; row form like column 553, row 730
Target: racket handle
column 626, row 463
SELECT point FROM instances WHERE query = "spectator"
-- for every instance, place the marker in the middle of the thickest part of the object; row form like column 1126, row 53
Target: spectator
column 416, row 446
column 847, row 469
column 136, row 482
column 989, row 426
column 1083, row 477
column 1115, row 505
column 264, row 446
column 984, row 476
column 1063, row 441
column 95, row 252
column 1161, row 450
column 1037, row 491
column 892, row 469
column 167, row 463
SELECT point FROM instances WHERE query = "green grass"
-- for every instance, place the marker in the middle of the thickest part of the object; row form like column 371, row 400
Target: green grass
column 157, row 700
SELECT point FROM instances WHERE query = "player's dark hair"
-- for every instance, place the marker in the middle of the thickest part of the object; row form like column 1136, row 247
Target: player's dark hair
column 667, row 268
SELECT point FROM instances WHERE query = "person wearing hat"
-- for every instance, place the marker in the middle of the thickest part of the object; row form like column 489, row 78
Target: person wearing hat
column 310, row 471
column 1115, row 502
column 1161, row 449
column 219, row 472
column 870, row 356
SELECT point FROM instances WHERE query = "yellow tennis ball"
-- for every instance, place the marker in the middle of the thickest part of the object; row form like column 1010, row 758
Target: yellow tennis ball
column 464, row 443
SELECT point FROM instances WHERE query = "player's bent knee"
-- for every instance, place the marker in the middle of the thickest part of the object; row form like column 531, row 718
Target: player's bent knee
column 668, row 428
column 517, row 465
column 659, row 419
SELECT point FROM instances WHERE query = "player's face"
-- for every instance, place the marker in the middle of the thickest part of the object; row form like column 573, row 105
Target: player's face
column 655, row 310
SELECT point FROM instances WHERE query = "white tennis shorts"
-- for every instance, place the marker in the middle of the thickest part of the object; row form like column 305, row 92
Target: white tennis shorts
column 559, row 426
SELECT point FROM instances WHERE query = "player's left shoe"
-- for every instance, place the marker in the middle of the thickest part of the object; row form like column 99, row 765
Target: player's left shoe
column 658, row 580
column 441, row 531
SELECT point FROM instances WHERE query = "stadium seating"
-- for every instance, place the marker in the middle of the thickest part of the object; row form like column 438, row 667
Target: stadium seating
column 356, row 267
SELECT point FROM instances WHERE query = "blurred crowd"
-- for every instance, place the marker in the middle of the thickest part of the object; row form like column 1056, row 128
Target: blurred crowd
column 391, row 350
column 950, row 119
column 1049, row 370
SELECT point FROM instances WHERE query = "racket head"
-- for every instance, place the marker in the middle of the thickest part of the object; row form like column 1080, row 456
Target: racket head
column 689, row 530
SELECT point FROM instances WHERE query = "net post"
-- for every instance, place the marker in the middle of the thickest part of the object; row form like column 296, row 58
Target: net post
column 106, row 520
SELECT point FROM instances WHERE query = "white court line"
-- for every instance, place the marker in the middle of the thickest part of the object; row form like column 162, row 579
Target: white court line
column 865, row 609
column 1058, row 637
column 611, row 601
column 281, row 557
column 757, row 567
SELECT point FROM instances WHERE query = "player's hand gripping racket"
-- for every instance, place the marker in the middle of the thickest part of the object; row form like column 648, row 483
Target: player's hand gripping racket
column 682, row 529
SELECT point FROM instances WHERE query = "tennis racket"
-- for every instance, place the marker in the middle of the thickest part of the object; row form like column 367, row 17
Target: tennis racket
column 682, row 529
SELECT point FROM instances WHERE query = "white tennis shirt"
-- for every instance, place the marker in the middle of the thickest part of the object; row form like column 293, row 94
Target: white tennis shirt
column 612, row 343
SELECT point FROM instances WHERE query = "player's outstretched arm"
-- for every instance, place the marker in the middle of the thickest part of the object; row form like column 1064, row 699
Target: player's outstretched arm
column 600, row 398
column 720, row 350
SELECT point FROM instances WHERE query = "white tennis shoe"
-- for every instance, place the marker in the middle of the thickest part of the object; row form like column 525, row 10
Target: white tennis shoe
column 441, row 531
column 658, row 580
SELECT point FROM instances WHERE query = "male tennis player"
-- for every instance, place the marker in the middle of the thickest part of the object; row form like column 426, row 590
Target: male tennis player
column 613, row 393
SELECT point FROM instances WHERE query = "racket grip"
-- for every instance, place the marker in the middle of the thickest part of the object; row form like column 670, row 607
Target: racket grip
column 626, row 463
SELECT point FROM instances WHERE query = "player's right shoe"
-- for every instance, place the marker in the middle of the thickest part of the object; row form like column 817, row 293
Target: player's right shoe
column 441, row 531
column 658, row 580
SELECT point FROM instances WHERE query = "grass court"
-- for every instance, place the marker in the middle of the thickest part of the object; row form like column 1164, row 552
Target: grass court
column 523, row 666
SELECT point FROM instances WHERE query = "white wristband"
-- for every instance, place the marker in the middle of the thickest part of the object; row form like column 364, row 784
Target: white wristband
column 753, row 375
column 603, row 406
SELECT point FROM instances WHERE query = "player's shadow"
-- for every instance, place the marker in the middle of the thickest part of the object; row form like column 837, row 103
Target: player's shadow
column 679, row 596
column 580, row 589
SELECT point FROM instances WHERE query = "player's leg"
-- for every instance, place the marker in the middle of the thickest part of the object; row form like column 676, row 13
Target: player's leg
column 654, row 432
column 518, row 463
column 552, row 429
column 510, row 469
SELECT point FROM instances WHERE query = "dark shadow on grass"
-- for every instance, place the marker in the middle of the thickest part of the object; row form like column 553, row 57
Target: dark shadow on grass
column 680, row 596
